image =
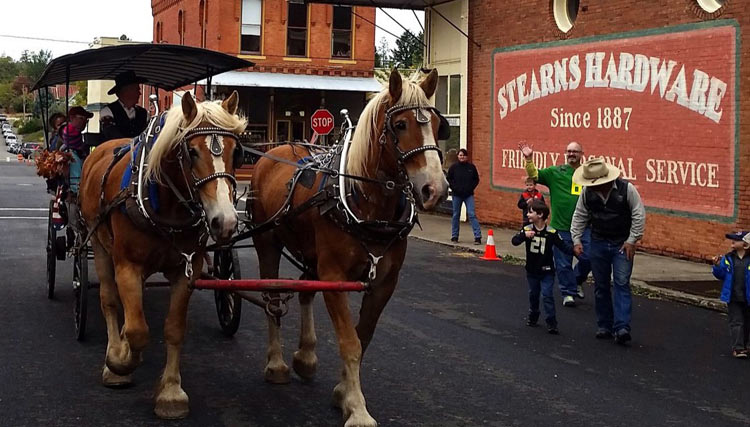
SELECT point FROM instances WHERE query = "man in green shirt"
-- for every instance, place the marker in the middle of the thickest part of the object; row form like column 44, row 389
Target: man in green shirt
column 563, row 199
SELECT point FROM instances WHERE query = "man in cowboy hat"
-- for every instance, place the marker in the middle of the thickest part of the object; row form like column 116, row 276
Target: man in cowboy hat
column 613, row 208
column 123, row 118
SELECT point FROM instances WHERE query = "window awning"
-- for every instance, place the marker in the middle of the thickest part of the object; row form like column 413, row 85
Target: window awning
column 295, row 81
column 392, row 4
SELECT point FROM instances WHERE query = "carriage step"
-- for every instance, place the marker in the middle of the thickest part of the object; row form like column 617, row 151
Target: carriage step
column 279, row 285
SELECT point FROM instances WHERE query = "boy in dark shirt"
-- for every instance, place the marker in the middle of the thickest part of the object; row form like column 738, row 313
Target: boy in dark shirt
column 527, row 196
column 733, row 268
column 540, row 266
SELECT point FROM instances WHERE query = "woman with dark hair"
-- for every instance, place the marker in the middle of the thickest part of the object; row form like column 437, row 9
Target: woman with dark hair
column 56, row 122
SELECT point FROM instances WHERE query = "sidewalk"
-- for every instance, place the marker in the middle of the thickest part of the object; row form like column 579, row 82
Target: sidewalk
column 668, row 278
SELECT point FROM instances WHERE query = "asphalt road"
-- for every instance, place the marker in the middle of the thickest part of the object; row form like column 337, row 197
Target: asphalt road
column 452, row 349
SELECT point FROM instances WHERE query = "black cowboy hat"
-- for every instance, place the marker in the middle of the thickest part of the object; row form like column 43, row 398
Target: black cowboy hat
column 124, row 79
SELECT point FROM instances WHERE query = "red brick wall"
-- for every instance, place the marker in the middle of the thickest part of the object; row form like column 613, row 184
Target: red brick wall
column 223, row 34
column 499, row 26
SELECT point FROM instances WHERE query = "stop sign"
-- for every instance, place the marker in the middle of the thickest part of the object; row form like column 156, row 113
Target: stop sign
column 322, row 122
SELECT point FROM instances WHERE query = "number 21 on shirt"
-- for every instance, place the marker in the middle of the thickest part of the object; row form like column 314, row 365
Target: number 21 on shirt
column 537, row 245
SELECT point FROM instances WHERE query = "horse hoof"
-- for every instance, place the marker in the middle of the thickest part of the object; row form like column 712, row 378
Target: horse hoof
column 120, row 365
column 112, row 380
column 361, row 420
column 305, row 367
column 277, row 374
column 173, row 407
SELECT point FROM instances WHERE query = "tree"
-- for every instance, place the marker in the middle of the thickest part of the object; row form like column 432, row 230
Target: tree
column 408, row 52
column 34, row 63
column 382, row 54
column 81, row 98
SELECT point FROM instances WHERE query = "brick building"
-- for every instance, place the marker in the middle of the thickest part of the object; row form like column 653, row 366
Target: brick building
column 655, row 86
column 306, row 56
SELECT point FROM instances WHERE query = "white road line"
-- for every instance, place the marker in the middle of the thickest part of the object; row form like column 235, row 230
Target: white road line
column 24, row 209
column 23, row 217
column 25, row 185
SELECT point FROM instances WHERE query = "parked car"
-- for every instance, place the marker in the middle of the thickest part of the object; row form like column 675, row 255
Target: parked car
column 6, row 126
column 30, row 147
column 12, row 147
column 11, row 139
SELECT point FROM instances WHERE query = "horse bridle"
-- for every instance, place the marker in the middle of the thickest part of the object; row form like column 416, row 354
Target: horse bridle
column 403, row 156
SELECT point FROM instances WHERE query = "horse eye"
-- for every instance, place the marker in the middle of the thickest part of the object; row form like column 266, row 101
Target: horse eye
column 401, row 125
column 192, row 152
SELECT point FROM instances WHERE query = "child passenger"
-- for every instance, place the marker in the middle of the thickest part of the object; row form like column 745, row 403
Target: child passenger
column 733, row 268
column 540, row 266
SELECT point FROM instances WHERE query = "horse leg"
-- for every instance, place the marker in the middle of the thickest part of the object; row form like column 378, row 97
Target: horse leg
column 109, row 302
column 305, row 361
column 372, row 307
column 125, row 355
column 171, row 401
column 269, row 255
column 348, row 392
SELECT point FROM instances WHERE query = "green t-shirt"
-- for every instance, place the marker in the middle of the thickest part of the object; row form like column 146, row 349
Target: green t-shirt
column 563, row 193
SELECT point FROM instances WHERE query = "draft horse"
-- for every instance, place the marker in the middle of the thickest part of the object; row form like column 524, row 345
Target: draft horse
column 393, row 161
column 190, row 169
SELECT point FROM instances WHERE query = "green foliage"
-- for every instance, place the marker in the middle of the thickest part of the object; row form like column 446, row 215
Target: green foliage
column 37, row 136
column 17, row 78
column 409, row 50
column 28, row 126
column 81, row 98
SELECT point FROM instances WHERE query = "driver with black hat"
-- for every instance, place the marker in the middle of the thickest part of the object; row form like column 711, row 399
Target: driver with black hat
column 123, row 118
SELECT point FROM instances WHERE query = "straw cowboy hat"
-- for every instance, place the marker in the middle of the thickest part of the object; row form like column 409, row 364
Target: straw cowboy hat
column 124, row 79
column 595, row 172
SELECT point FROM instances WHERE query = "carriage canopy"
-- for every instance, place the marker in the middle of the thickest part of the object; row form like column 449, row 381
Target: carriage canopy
column 165, row 66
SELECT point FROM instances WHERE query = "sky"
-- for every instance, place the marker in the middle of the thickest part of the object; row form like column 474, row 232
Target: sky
column 78, row 22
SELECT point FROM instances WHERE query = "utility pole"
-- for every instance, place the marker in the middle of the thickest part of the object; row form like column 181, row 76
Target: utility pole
column 24, row 101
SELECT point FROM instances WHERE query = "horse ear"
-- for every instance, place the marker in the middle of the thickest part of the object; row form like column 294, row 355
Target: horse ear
column 189, row 109
column 394, row 85
column 429, row 84
column 230, row 104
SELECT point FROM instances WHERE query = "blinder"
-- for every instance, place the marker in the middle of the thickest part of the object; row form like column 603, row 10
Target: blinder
column 238, row 156
column 444, row 131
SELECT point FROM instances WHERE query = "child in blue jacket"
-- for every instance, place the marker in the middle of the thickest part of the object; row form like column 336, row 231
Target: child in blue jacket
column 734, row 269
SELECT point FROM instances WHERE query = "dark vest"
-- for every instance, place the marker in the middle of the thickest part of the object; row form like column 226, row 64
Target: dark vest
column 610, row 221
column 126, row 127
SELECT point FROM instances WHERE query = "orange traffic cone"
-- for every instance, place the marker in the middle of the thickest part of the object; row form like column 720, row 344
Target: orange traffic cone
column 20, row 157
column 489, row 249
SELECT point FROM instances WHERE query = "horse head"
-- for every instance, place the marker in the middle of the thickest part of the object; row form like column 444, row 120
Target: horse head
column 406, row 128
column 205, row 142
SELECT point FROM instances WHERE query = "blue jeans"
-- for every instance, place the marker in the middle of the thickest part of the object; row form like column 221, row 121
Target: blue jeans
column 76, row 166
column 544, row 284
column 457, row 201
column 608, row 262
column 568, row 278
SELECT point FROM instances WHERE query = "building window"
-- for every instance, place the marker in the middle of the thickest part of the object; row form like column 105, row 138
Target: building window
column 565, row 13
column 296, row 34
column 251, row 26
column 181, row 26
column 711, row 6
column 341, row 35
column 448, row 94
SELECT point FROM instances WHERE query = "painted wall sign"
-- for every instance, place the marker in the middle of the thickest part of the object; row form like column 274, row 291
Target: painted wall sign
column 661, row 105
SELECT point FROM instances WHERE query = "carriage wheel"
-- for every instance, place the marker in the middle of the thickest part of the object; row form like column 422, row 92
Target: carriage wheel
column 81, row 290
column 228, row 304
column 51, row 254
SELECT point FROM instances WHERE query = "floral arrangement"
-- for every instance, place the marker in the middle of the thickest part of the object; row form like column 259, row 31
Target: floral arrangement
column 51, row 164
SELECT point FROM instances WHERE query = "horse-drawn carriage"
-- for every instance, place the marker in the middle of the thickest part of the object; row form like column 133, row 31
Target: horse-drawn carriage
column 342, row 215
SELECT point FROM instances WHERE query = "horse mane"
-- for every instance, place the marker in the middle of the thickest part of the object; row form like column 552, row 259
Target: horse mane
column 363, row 138
column 176, row 127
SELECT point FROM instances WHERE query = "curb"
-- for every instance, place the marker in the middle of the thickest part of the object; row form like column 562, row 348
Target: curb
column 663, row 293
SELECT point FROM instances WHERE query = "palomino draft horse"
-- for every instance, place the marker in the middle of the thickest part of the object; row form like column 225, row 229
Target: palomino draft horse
column 191, row 167
column 393, row 160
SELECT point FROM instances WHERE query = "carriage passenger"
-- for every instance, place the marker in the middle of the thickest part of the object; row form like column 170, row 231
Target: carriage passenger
column 73, row 141
column 123, row 118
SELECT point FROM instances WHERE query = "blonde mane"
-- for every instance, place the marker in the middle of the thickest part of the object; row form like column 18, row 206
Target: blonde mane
column 364, row 136
column 175, row 128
